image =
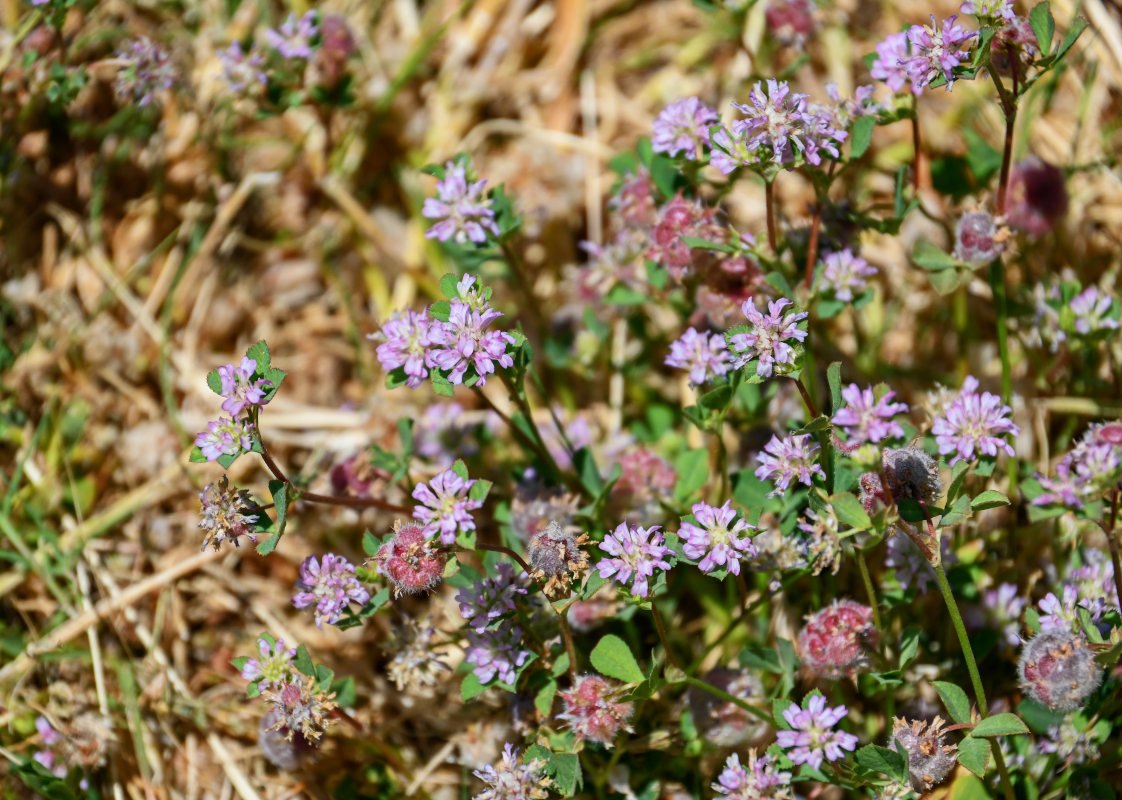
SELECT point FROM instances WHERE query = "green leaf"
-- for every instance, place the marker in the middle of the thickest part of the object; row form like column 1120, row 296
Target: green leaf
column 197, row 456
column 448, row 286
column 929, row 257
column 958, row 477
column 375, row 602
column 621, row 295
column 955, row 700
column 565, row 768
column 861, row 136
column 692, row 468
column 988, row 499
column 833, row 379
column 695, row 243
column 946, row 281
column 909, row 645
column 1044, row 26
column 460, row 468
column 214, row 381
column 850, row 511
column 779, row 281
column 1006, row 724
column 969, row 787
column 441, row 310
column 345, row 694
column 974, row 754
column 259, row 352
column 819, row 423
column 612, row 657
column 279, row 491
column 543, row 701
column 778, row 706
column 303, row 662
column 875, row 758
column 1078, row 25
column 958, row 511
column 1038, row 716
column 471, row 687
column 324, row 676
column 480, row 489
column 370, row 544
column 717, row 399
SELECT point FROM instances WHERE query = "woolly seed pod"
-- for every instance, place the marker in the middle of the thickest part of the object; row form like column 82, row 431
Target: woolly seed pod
column 835, row 641
column 592, row 710
column 929, row 760
column 410, row 561
column 1058, row 669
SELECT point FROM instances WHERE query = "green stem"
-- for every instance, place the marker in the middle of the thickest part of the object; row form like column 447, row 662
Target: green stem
column 870, row 589
column 997, row 283
column 728, row 698
column 972, row 668
column 670, row 659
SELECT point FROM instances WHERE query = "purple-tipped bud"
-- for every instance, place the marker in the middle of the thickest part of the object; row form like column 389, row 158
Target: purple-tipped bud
column 1037, row 197
column 929, row 760
column 1058, row 669
column 976, row 239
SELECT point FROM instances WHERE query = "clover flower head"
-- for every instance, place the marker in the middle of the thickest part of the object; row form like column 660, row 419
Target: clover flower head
column 225, row 437
column 759, row 778
column 788, row 458
column 556, row 558
column 461, row 209
column 836, row 641
column 410, row 560
column 936, row 52
column 683, row 127
column 463, row 342
column 1063, row 615
column 594, row 711
column 974, row 422
column 240, row 389
column 510, row 780
column 488, row 599
column 329, row 586
column 767, row 339
column 865, row 419
column 1058, row 669
column 1092, row 308
column 1002, row 607
column 977, row 239
column 715, row 539
column 405, row 342
column 989, row 9
column 243, row 71
column 889, row 66
column 300, row 709
column 225, row 513
column 774, row 124
column 812, row 738
column 705, row 356
column 149, row 69
column 274, row 667
column 930, row 761
column 446, row 506
column 496, row 652
column 293, row 39
column 635, row 552
column 845, row 273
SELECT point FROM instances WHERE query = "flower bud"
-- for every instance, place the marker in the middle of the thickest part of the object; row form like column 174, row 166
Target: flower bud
column 835, row 641
column 1058, row 669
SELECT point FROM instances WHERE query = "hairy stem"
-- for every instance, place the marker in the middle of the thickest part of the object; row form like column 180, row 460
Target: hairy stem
column 506, row 551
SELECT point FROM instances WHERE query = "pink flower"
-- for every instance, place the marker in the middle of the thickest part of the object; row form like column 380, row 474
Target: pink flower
column 463, row 343
column 683, row 127
column 410, row 561
column 766, row 340
column 713, row 540
column 239, row 388
column 461, row 210
column 225, row 437
column 636, row 552
column 445, row 506
column 811, row 739
column 867, row 419
column 406, row 339
column 706, row 357
column 974, row 422
column 788, row 458
column 329, row 586
column 593, row 710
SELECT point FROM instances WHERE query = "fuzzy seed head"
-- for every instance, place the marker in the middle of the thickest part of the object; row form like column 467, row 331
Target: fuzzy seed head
column 557, row 559
column 930, row 761
column 410, row 561
column 592, row 710
column 301, row 709
column 835, row 641
column 1058, row 669
column 911, row 474
column 225, row 513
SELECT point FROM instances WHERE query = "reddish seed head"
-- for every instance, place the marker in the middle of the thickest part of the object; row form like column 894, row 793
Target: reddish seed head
column 790, row 20
column 976, row 238
column 930, row 761
column 410, row 561
column 1037, row 197
column 1058, row 669
column 592, row 711
column 835, row 641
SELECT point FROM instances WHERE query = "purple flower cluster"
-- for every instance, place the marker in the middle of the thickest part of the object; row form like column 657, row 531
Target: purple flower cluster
column 921, row 55
column 242, row 394
column 634, row 552
column 225, row 437
column 461, row 209
column 240, row 388
column 683, row 127
column 713, row 540
column 293, row 39
column 490, row 598
column 780, row 129
column 974, row 422
column 1063, row 615
column 705, row 356
column 758, row 779
column 1001, row 608
column 1088, row 469
column 498, row 652
column 513, row 781
column 1092, row 311
column 274, row 667
column 445, row 506
column 787, row 458
column 989, row 9
column 329, row 587
column 243, row 71
column 417, row 343
column 812, row 738
column 766, row 339
column 844, row 274
column 149, row 69
column 866, row 419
